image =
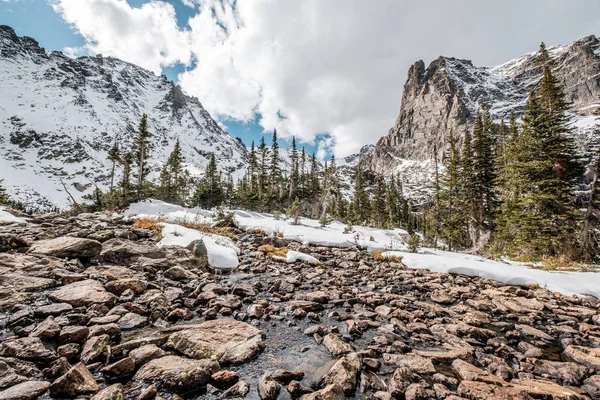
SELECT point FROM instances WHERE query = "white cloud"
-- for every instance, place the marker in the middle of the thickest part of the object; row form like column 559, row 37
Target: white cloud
column 74, row 52
column 314, row 67
column 147, row 36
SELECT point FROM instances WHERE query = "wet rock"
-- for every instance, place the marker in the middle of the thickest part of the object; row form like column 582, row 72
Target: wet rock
column 296, row 389
column 178, row 273
column 112, row 392
column 178, row 372
column 76, row 382
column 330, row 392
column 566, row 373
column 336, row 346
column 47, row 329
column 344, row 373
column 53, row 309
column 415, row 392
column 226, row 340
column 268, row 388
column 224, row 379
column 67, row 247
column 57, row 368
column 240, row 389
column 284, row 376
column 73, row 334
column 83, row 293
column 484, row 391
column 256, row 311
column 25, row 390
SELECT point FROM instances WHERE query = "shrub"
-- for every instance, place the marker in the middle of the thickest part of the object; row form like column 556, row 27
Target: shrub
column 413, row 243
column 325, row 220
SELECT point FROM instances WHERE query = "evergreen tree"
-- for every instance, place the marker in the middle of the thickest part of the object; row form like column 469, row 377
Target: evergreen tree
column 379, row 203
column 252, row 168
column 126, row 188
column 295, row 173
column 275, row 171
column 114, row 156
column 210, row 192
column 361, row 203
column 4, row 199
column 262, row 175
column 539, row 214
column 173, row 178
column 142, row 148
column 483, row 171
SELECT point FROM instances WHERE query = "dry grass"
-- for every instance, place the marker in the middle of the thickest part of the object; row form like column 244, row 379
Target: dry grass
column 148, row 223
column 378, row 255
column 204, row 228
column 269, row 250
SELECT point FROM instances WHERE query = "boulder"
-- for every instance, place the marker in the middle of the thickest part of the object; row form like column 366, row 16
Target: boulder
column 413, row 362
column 590, row 357
column 177, row 372
column 119, row 250
column 336, row 346
column 330, row 392
column 226, row 340
column 67, row 247
column 26, row 348
column 345, row 373
column 268, row 388
column 112, row 392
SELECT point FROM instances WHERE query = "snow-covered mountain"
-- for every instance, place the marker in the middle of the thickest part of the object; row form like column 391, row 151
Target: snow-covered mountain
column 447, row 94
column 60, row 116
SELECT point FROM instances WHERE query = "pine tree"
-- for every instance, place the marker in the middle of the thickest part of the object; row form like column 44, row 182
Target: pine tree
column 539, row 214
column 361, row 202
column 142, row 146
column 275, row 171
column 294, row 173
column 210, row 192
column 451, row 207
column 114, row 156
column 252, row 168
column 262, row 174
column 173, row 179
column 127, row 161
column 315, row 187
column 4, row 199
column 379, row 203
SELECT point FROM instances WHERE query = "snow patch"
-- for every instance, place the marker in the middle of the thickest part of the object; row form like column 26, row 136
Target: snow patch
column 8, row 218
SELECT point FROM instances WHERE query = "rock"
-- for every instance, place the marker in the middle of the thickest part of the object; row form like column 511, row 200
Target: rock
column 83, row 293
column 93, row 347
column 345, row 373
column 57, row 368
column 112, row 392
column 418, row 364
column 469, row 372
column 530, row 331
column 592, row 386
column 296, row 389
column 268, row 388
column 541, row 388
column 47, row 329
column 286, row 376
column 566, row 373
column 124, row 366
column 484, row 391
column 76, row 382
column 53, row 309
column 143, row 354
column 399, row 382
column 67, row 247
column 132, row 321
column 178, row 273
column 198, row 249
column 415, row 392
column 26, row 348
column 226, row 340
column 224, row 378
column 330, row 392
column 256, row 311
column 25, row 390
column 177, row 372
column 121, row 285
column 316, row 297
column 73, row 334
column 590, row 357
column 240, row 389
column 335, row 346
column 119, row 250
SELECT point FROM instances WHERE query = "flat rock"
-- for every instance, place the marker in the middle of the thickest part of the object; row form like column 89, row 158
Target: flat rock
column 413, row 362
column 225, row 340
column 112, row 392
column 330, row 392
column 25, row 391
column 590, row 357
column 178, row 372
column 118, row 250
column 336, row 346
column 67, row 247
column 26, row 348
column 485, row 391
column 83, row 293
column 469, row 372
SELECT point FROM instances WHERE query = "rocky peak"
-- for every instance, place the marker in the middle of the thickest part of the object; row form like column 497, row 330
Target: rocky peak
column 447, row 94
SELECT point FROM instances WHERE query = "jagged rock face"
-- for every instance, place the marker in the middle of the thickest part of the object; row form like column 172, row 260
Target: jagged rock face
column 447, row 94
column 60, row 116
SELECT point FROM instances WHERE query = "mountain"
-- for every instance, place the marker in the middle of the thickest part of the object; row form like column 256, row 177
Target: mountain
column 447, row 94
column 60, row 116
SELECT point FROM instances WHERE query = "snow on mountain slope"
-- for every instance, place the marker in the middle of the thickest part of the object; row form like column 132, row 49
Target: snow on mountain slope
column 60, row 116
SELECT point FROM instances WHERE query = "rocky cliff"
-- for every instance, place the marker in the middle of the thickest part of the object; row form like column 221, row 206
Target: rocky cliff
column 60, row 116
column 447, row 94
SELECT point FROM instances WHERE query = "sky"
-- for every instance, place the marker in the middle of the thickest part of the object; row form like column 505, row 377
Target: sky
column 329, row 72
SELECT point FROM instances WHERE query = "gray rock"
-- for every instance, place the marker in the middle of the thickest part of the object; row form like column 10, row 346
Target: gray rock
column 178, row 372
column 67, row 247
column 76, row 382
column 83, row 293
column 25, row 391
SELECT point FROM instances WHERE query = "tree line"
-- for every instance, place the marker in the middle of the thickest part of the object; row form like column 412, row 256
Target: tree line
column 511, row 189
